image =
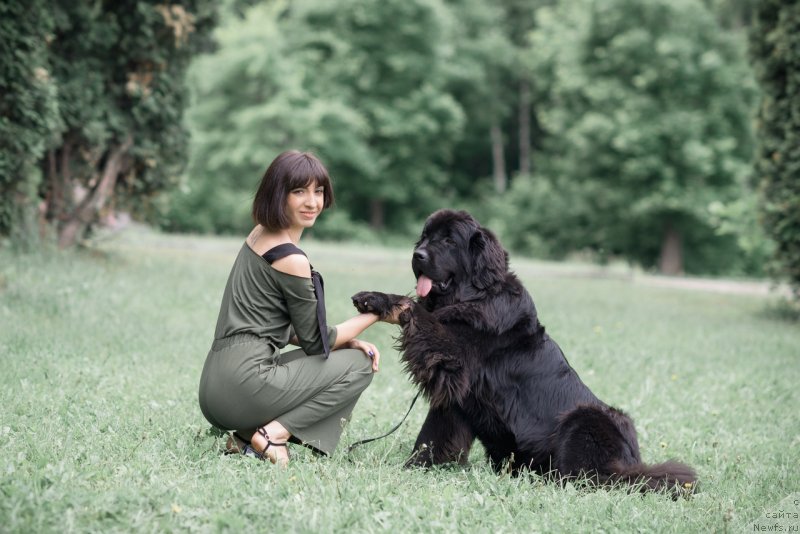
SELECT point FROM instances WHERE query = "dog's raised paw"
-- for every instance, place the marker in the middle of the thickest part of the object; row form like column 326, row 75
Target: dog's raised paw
column 370, row 302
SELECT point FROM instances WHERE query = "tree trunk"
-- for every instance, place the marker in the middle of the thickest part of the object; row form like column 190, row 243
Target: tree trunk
column 59, row 176
column 524, row 127
column 498, row 158
column 86, row 211
column 671, row 259
column 376, row 214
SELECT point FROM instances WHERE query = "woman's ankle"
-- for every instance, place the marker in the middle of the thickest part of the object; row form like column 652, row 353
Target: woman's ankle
column 271, row 441
column 277, row 432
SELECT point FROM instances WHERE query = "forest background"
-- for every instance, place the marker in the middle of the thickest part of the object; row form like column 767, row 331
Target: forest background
column 656, row 132
column 665, row 134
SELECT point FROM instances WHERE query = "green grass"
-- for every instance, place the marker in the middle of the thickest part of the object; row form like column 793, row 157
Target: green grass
column 100, row 357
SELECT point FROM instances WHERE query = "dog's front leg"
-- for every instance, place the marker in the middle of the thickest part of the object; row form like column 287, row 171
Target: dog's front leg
column 434, row 355
column 445, row 437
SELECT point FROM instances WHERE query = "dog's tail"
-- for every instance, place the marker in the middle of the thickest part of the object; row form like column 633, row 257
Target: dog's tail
column 669, row 476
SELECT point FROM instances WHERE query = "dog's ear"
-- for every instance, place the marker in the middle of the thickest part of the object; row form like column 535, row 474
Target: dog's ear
column 489, row 259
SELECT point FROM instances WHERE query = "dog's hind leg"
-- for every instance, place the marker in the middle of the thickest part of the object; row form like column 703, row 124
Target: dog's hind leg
column 590, row 440
column 600, row 442
column 445, row 437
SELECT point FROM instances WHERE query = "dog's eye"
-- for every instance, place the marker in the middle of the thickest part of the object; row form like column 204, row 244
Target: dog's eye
column 449, row 242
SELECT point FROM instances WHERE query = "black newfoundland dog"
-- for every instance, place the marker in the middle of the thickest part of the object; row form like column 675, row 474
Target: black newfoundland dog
column 474, row 345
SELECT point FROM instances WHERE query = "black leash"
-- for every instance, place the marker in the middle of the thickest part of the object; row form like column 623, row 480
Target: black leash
column 363, row 441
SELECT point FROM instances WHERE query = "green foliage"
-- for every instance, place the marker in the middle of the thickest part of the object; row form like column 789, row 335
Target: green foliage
column 337, row 225
column 102, row 431
column 100, row 87
column 648, row 122
column 776, row 48
column 739, row 222
column 547, row 221
column 737, row 15
column 640, row 123
column 206, row 208
column 638, row 118
column 480, row 77
column 28, row 109
column 391, row 66
column 360, row 83
column 253, row 99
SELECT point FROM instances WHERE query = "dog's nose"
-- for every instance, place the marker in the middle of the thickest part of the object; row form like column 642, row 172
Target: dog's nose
column 420, row 254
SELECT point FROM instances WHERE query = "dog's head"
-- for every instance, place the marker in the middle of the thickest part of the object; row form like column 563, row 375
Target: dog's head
column 456, row 258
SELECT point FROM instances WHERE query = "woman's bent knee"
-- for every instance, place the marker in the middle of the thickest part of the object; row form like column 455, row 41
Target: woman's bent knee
column 356, row 359
column 357, row 364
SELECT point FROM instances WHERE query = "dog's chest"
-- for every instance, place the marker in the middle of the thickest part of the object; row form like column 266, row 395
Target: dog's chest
column 484, row 410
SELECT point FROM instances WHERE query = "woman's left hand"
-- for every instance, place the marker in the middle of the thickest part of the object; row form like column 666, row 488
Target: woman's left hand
column 369, row 349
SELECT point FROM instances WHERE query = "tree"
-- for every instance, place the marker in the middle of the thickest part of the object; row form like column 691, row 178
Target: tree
column 479, row 78
column 776, row 49
column 648, row 123
column 387, row 60
column 250, row 102
column 263, row 90
column 360, row 82
column 117, row 70
column 520, row 21
column 28, row 111
column 492, row 81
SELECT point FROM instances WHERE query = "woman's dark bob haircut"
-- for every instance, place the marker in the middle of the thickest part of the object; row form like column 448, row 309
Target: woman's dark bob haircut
column 289, row 171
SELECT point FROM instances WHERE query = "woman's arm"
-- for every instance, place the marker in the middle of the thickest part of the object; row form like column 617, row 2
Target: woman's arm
column 346, row 333
column 348, row 330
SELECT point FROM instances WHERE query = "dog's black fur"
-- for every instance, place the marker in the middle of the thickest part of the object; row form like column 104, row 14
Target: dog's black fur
column 476, row 348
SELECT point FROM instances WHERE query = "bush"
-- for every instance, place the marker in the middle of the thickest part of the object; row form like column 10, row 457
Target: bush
column 776, row 49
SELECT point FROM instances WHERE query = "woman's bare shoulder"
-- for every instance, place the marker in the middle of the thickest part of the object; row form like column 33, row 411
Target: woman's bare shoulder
column 261, row 241
column 294, row 264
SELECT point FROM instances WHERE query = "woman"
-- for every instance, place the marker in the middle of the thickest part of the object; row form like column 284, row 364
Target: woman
column 272, row 298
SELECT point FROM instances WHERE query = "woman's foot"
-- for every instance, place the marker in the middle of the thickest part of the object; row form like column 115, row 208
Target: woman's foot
column 235, row 444
column 238, row 444
column 270, row 441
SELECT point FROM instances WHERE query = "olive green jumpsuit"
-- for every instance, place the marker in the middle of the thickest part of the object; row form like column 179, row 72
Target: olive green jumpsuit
column 247, row 382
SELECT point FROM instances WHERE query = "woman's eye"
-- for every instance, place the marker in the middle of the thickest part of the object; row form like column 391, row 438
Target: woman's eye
column 320, row 191
column 298, row 191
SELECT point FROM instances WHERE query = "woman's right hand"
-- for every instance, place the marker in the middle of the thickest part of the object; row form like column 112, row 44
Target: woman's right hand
column 370, row 350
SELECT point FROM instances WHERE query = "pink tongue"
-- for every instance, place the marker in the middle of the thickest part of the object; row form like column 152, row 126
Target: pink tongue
column 424, row 285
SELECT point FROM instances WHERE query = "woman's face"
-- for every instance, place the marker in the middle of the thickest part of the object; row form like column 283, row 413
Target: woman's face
column 304, row 204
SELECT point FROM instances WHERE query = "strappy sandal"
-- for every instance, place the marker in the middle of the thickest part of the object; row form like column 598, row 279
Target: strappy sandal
column 238, row 445
column 263, row 454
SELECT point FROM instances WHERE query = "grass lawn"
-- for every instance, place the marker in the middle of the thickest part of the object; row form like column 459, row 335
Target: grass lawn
column 101, row 353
